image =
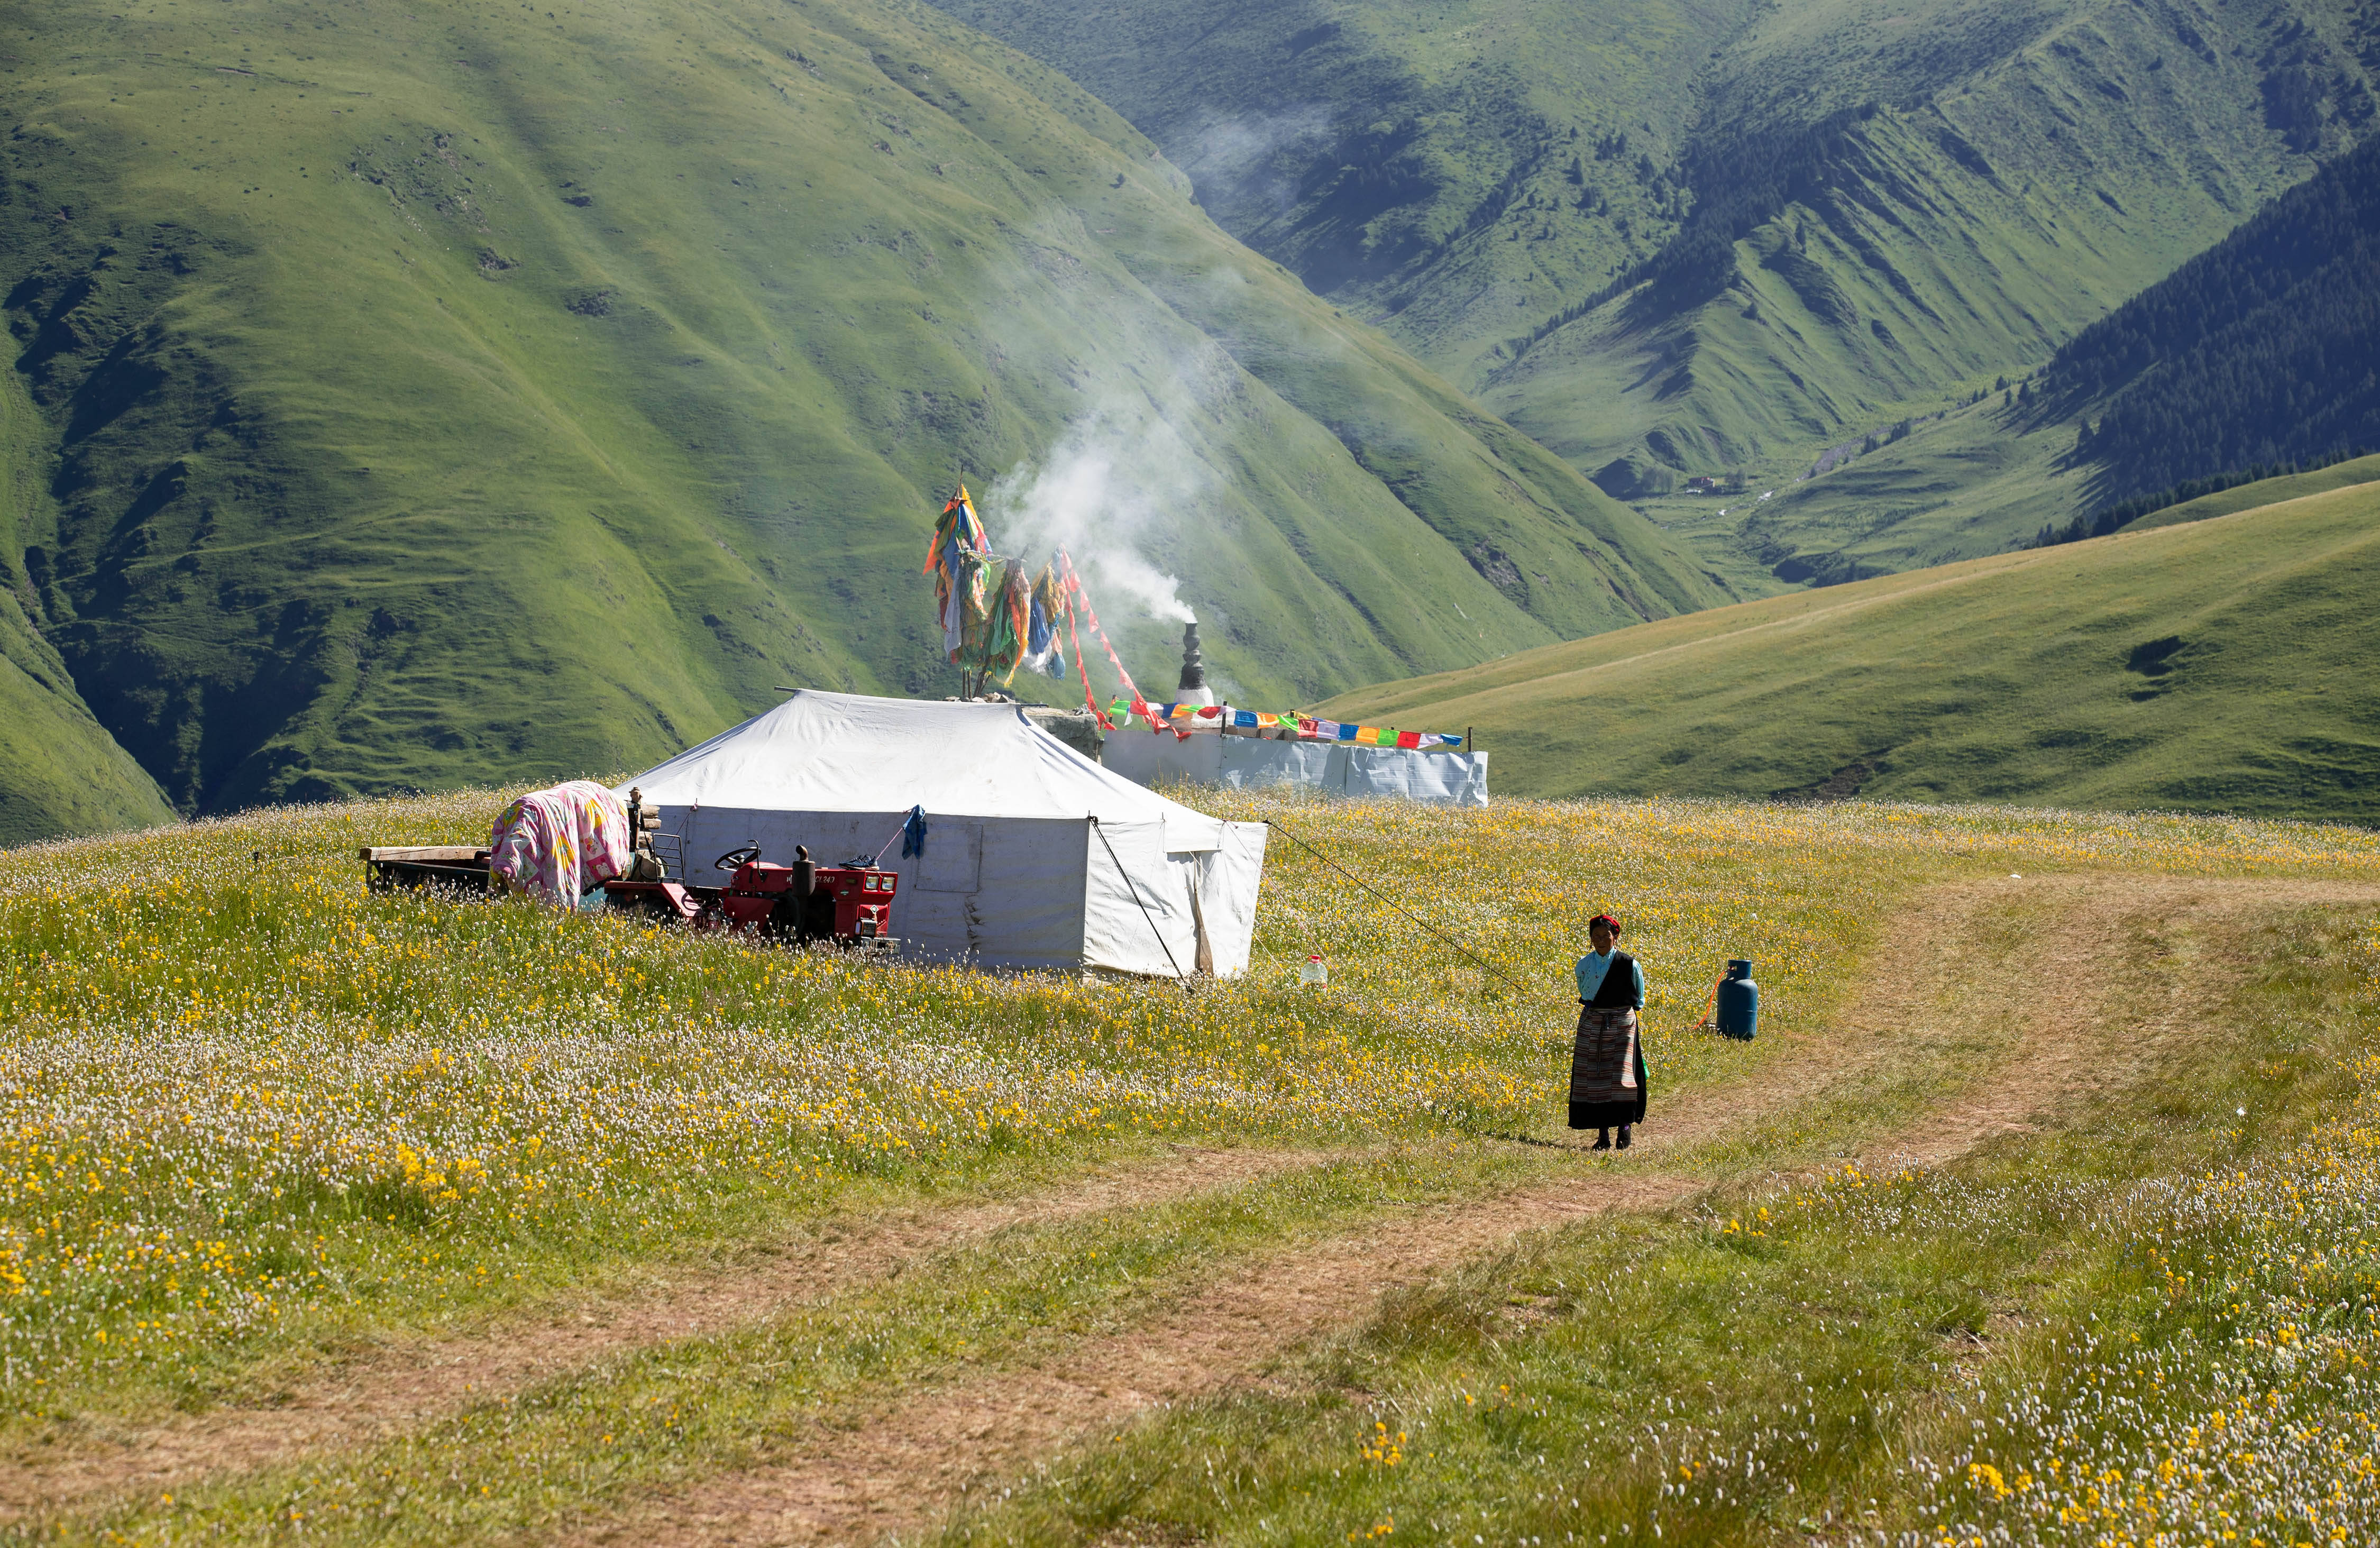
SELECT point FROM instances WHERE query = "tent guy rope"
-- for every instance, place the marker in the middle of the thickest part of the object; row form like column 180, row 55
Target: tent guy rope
column 1135, row 888
column 1427, row 927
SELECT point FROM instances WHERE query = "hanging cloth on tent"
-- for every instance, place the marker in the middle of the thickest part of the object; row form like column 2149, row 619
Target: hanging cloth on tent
column 1016, row 600
column 953, row 630
column 1003, row 638
column 975, row 605
column 1090, row 700
column 1045, row 652
column 957, row 530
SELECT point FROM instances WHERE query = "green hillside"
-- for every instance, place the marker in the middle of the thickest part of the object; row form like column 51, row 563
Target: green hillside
column 1671, row 239
column 2264, row 491
column 1980, row 478
column 430, row 391
column 2221, row 665
column 60, row 772
column 2257, row 352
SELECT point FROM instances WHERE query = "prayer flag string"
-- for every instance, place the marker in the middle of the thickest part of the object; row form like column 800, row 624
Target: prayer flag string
column 1184, row 719
column 1082, row 599
column 994, row 617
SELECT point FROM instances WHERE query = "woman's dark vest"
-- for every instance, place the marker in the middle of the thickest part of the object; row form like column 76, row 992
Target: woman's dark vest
column 1618, row 990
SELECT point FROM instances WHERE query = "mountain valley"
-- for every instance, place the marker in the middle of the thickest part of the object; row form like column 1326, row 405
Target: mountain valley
column 420, row 392
column 413, row 394
column 1673, row 239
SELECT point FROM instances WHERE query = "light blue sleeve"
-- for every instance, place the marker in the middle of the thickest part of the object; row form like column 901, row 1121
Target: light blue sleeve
column 1637, row 971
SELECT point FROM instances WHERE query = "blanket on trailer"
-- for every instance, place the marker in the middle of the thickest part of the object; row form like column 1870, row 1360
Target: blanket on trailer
column 556, row 844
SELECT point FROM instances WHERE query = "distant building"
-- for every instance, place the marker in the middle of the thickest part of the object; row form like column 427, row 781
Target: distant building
column 1702, row 483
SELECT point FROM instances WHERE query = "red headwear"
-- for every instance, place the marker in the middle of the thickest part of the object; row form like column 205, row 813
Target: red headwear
column 1606, row 921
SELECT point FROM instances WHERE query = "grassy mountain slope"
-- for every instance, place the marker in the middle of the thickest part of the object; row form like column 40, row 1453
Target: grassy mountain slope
column 1972, row 482
column 1696, row 236
column 1409, row 157
column 60, row 772
column 2257, row 351
column 442, row 391
column 2219, row 665
column 2264, row 491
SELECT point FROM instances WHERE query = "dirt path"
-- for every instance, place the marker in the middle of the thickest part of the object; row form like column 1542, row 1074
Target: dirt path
column 2107, row 977
column 2092, row 1017
column 908, row 1463
column 398, row 1387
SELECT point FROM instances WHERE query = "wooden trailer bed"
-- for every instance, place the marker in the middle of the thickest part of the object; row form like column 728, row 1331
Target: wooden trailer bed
column 416, row 865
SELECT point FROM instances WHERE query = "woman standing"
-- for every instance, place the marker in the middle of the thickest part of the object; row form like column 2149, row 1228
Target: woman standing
column 1607, row 1067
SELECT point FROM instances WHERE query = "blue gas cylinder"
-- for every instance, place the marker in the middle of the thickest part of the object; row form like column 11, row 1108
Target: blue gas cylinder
column 1739, row 1001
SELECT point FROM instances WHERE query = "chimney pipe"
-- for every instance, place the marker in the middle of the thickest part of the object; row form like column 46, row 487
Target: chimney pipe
column 1193, row 688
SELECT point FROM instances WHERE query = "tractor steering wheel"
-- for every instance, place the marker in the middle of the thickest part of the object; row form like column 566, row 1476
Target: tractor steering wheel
column 737, row 859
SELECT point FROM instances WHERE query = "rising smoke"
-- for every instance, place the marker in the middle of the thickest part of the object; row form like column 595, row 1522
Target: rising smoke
column 1100, row 493
column 1255, row 160
column 1132, row 484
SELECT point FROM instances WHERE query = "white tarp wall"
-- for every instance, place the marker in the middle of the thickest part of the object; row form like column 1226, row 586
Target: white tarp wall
column 1444, row 779
column 1247, row 763
column 1014, row 874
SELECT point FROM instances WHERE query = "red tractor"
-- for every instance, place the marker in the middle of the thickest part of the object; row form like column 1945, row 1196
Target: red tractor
column 851, row 905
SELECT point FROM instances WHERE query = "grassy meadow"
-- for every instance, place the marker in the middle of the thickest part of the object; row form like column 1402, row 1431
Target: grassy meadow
column 2210, row 665
column 262, row 1133
column 2158, row 1330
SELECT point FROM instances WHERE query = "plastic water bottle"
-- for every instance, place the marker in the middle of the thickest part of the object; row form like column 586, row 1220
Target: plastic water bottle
column 1314, row 973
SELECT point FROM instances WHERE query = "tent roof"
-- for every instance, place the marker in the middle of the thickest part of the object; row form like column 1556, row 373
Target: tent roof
column 821, row 752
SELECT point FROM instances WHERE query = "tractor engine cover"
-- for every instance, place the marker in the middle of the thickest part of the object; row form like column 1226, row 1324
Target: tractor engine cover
column 863, row 899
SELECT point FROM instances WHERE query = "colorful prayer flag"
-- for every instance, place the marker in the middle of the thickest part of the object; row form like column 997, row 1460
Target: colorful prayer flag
column 960, row 523
column 1408, row 738
column 1077, row 600
column 1348, row 731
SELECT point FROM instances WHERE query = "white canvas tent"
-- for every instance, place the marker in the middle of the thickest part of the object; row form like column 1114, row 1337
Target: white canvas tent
column 1035, row 856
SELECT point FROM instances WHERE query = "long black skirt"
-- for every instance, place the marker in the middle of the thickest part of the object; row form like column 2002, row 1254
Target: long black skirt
column 1607, row 1052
